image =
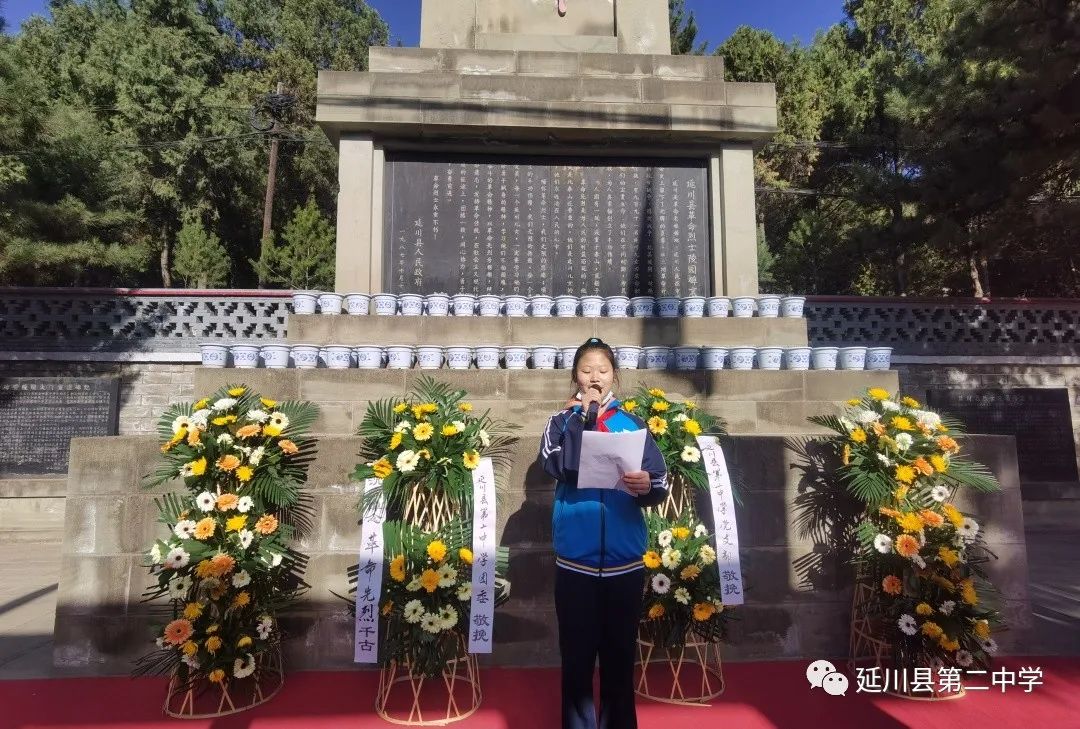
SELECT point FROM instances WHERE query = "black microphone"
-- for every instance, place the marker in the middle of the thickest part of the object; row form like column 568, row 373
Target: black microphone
column 594, row 411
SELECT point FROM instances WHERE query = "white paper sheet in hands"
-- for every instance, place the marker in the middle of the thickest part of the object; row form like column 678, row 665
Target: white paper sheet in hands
column 605, row 457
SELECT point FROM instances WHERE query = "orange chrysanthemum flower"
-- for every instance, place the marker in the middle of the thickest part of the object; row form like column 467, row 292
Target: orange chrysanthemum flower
column 907, row 545
column 205, row 528
column 228, row 463
column 178, row 631
column 923, row 466
column 227, row 502
column 931, row 518
column 288, row 447
column 892, row 585
column 266, row 524
column 193, row 438
column 249, row 430
column 947, row 444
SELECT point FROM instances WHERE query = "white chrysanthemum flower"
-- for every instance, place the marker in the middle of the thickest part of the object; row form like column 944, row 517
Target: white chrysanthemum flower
column 968, row 528
column 178, row 588
column 414, row 610
column 700, row 531
column 186, row 471
column 690, row 454
column 682, row 595
column 223, row 404
column 849, row 425
column 671, row 558
column 680, row 418
column 939, row 493
column 927, row 419
column 464, row 591
column 159, row 642
column 459, row 425
column 964, row 658
column 447, row 576
column 867, row 417
column 265, row 627
column 155, row 554
column 278, row 420
column 718, row 604
column 414, row 585
column 225, row 439
column 883, row 543
column 448, row 617
column 890, row 406
column 664, row 538
column 191, row 662
column 276, row 559
column 257, row 415
column 242, row 668
column 904, row 441
column 182, row 422
column 200, row 419
column 947, row 607
column 661, row 583
column 177, row 558
column 989, row 646
column 407, row 461
column 430, row 623
column 884, row 460
column 908, row 625
column 185, row 529
column 205, row 501
column 403, row 426
column 241, row 579
column 707, row 554
column 246, row 537
column 256, row 456
column 245, row 504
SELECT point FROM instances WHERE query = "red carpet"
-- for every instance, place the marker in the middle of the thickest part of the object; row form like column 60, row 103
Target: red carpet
column 758, row 696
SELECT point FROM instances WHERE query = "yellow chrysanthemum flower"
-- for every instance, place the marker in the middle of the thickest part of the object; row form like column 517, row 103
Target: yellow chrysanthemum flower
column 703, row 611
column 201, row 404
column 910, row 402
column 190, row 648
column 471, row 459
column 465, row 407
column 660, row 405
column 449, row 430
column 465, row 555
column 652, row 559
column 939, row 463
column 213, row 643
column 436, row 550
column 395, row 441
column 216, row 676
column 924, row 609
column 268, row 403
column 692, row 427
column 657, row 425
column 902, row 423
column 429, row 407
column 901, row 492
column 630, row 406
column 382, row 468
column 656, row 611
column 198, row 468
column 982, row 629
column 423, row 431
column 932, row 629
column 854, row 401
column 953, row 515
column 271, row 430
column 858, row 435
column 657, row 392
column 236, row 523
column 429, row 579
column 237, row 391
column 400, row 407
column 910, row 523
column 905, row 474
column 193, row 610
column 877, row 393
column 244, row 642
column 397, row 568
column 418, row 413
column 223, row 420
column 244, row 473
column 680, row 532
column 690, row 405
column 243, row 599
column 950, row 557
column 690, row 572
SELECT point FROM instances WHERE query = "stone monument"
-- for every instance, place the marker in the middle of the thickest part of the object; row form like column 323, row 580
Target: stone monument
column 518, row 150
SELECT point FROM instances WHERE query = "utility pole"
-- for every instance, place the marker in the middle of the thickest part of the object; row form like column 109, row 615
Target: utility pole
column 271, row 179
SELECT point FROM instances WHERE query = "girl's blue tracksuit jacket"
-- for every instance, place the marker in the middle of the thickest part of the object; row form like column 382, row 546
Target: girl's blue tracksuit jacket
column 598, row 532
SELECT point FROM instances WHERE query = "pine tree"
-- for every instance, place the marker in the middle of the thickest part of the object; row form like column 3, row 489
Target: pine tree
column 200, row 260
column 305, row 259
column 684, row 30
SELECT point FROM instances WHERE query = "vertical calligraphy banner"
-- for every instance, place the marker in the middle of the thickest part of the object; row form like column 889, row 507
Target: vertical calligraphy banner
column 369, row 579
column 727, row 531
column 482, row 610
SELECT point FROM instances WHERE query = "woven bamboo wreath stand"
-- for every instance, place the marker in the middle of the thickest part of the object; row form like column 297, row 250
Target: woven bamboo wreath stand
column 688, row 675
column 405, row 699
column 202, row 699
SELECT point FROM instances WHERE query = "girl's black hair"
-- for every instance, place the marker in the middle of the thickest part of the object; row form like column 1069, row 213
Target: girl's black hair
column 591, row 344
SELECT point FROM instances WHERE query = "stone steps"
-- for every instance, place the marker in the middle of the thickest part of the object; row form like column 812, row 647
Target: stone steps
column 529, row 331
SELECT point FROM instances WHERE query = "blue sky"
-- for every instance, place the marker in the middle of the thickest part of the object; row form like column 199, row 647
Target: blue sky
column 787, row 19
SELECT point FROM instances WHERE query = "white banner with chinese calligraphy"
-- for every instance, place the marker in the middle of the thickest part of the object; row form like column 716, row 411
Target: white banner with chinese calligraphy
column 369, row 579
column 723, row 508
column 482, row 609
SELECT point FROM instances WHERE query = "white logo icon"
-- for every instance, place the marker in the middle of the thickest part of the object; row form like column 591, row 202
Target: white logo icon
column 823, row 674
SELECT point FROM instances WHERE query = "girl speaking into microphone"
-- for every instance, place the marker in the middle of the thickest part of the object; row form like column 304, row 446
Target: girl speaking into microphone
column 600, row 538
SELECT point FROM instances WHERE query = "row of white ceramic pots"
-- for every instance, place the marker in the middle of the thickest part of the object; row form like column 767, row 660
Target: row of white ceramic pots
column 770, row 306
column 370, row 357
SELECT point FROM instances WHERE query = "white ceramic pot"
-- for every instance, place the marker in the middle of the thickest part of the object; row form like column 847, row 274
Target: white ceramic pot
column 543, row 357
column 769, row 306
column 338, row 357
column 490, row 305
column 399, row 357
column 517, row 305
column 385, row 304
column 714, row 358
column 358, row 304
column 617, row 306
column 686, row 358
column 566, row 306
column 853, row 358
column 742, row 358
column 214, row 355
column 459, row 358
column 824, row 358
column 330, row 303
column 274, row 356
column 656, row 358
column 592, row 306
column 437, row 304
column 743, row 306
column 305, row 356
column 643, row 306
column 878, row 358
column 627, row 357
column 797, row 358
column 411, row 304
column 566, row 357
column 305, row 302
column 517, row 358
column 669, row 306
column 693, row 307
column 541, row 305
column 464, row 305
column 487, row 357
column 244, row 356
column 791, row 307
column 368, row 357
column 770, row 358
column 718, row 306
column 429, row 357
